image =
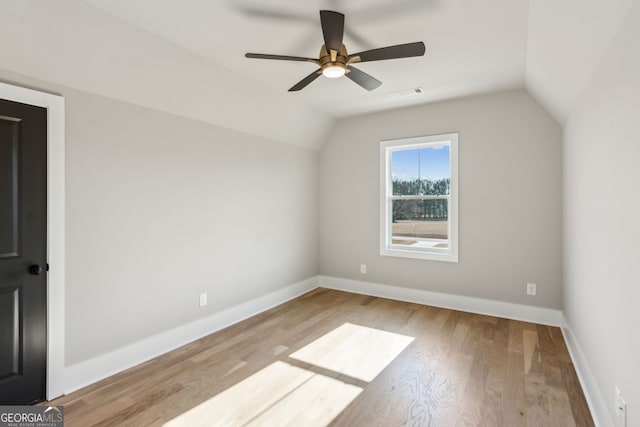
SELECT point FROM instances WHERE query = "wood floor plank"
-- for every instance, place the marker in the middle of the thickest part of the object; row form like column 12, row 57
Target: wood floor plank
column 341, row 359
column 577, row 401
column 560, row 408
column 514, row 400
column 536, row 389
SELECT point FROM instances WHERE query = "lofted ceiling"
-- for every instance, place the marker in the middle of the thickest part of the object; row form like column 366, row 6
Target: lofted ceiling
column 470, row 48
column 187, row 57
column 566, row 42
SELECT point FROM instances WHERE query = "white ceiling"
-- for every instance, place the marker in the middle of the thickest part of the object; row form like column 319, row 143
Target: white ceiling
column 566, row 42
column 187, row 57
column 472, row 47
column 75, row 45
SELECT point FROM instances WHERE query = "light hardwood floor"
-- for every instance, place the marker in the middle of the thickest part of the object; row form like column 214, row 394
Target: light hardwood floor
column 335, row 358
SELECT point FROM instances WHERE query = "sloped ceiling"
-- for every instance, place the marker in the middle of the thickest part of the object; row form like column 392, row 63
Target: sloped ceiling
column 470, row 48
column 566, row 42
column 187, row 57
column 71, row 43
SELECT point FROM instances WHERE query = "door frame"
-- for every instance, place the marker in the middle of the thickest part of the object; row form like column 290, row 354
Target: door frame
column 55, row 106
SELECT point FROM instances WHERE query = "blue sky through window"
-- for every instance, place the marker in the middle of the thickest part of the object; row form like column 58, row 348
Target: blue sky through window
column 426, row 163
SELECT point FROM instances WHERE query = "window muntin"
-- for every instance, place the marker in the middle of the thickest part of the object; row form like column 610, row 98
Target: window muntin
column 419, row 197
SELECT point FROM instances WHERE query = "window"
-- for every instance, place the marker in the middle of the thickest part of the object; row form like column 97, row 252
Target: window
column 419, row 197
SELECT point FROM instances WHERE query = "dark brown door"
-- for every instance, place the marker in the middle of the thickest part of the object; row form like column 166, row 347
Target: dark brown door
column 23, row 233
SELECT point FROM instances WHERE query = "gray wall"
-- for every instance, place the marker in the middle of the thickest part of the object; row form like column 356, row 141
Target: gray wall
column 160, row 208
column 510, row 156
column 602, row 220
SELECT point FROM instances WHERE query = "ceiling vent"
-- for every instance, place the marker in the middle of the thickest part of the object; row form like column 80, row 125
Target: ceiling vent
column 406, row 93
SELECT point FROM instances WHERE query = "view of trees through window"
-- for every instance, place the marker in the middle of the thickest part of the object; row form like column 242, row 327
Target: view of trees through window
column 421, row 187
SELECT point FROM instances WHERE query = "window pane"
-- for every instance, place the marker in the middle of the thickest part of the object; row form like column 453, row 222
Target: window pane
column 419, row 194
column 421, row 171
column 420, row 223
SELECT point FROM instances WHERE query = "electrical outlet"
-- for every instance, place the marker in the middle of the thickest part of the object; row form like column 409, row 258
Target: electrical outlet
column 363, row 268
column 531, row 289
column 620, row 409
column 203, row 299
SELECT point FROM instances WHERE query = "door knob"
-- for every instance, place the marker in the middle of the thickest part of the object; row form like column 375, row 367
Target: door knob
column 35, row 269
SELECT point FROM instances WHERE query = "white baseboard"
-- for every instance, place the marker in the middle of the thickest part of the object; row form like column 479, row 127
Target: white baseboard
column 527, row 313
column 592, row 393
column 93, row 370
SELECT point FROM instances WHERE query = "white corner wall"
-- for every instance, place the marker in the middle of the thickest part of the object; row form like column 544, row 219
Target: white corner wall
column 510, row 201
column 602, row 227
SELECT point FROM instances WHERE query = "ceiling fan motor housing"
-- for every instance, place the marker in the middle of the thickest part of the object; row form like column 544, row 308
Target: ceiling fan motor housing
column 333, row 59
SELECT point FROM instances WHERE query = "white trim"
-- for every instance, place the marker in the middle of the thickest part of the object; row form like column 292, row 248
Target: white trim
column 386, row 148
column 55, row 225
column 527, row 313
column 592, row 394
column 90, row 371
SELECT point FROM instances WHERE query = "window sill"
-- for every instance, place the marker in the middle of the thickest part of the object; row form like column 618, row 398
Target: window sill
column 424, row 255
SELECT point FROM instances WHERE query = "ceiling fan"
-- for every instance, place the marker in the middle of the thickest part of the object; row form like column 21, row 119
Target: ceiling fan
column 334, row 61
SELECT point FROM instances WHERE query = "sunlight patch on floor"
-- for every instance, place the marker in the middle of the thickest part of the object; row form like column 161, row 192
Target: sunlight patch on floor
column 287, row 395
column 278, row 395
column 357, row 351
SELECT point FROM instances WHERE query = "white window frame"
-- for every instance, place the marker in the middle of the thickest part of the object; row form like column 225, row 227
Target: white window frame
column 386, row 197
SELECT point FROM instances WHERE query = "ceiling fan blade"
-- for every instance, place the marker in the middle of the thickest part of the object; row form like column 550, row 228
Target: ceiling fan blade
column 391, row 52
column 304, row 82
column 363, row 79
column 391, row 10
column 275, row 15
column 280, row 57
column 356, row 37
column 332, row 29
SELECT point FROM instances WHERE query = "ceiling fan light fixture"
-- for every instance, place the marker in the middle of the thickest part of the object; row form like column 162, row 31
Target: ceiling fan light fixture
column 333, row 71
column 334, row 60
